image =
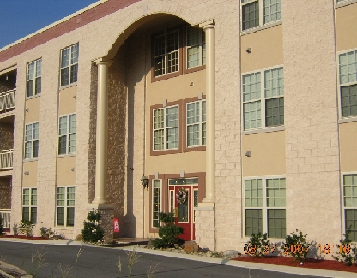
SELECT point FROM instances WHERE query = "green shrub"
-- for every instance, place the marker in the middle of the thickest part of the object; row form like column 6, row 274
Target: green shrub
column 296, row 246
column 168, row 232
column 258, row 245
column 347, row 252
column 26, row 227
column 91, row 231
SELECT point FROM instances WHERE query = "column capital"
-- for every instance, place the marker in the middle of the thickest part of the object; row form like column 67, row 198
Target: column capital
column 103, row 61
column 207, row 24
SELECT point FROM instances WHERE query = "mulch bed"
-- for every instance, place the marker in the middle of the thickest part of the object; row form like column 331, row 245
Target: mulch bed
column 24, row 237
column 309, row 263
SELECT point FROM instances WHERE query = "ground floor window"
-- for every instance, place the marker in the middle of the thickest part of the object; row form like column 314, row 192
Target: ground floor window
column 350, row 204
column 29, row 205
column 65, row 210
column 265, row 206
column 156, row 203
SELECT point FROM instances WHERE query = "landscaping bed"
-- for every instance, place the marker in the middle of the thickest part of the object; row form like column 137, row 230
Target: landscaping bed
column 309, row 263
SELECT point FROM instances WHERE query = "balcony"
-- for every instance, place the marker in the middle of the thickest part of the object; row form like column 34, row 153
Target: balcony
column 5, row 214
column 6, row 159
column 7, row 101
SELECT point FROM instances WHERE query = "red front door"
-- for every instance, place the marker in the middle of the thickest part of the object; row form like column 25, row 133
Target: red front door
column 184, row 208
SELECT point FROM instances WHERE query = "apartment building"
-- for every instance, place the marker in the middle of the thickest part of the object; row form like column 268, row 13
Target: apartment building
column 246, row 108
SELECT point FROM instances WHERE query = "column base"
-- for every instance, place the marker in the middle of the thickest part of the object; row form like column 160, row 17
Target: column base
column 205, row 226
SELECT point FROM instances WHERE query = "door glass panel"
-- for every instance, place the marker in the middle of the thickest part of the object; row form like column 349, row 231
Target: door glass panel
column 195, row 203
column 183, row 210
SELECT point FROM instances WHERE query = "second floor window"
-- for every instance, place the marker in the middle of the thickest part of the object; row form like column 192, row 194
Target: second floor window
column 67, row 134
column 196, row 123
column 348, row 83
column 263, row 99
column 195, row 47
column 166, row 128
column 32, row 140
column 259, row 12
column 33, row 83
column 69, row 64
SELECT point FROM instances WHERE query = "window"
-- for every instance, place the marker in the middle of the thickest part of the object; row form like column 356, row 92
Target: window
column 67, row 134
column 263, row 99
column 65, row 200
column 166, row 128
column 69, row 64
column 34, row 78
column 259, row 12
column 196, row 123
column 195, row 47
column 32, row 140
column 166, row 53
column 29, row 204
column 348, row 83
column 156, row 203
column 265, row 207
column 350, row 204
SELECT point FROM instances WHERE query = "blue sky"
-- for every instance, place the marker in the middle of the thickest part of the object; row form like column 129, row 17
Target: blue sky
column 19, row 18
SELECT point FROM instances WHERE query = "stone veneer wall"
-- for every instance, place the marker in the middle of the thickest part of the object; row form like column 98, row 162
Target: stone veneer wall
column 5, row 196
column 6, row 136
column 311, row 120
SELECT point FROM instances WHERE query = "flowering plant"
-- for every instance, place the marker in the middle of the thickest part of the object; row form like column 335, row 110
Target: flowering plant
column 181, row 195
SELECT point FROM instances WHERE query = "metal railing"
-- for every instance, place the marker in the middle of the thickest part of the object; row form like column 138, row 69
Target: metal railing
column 6, row 159
column 5, row 214
column 7, row 101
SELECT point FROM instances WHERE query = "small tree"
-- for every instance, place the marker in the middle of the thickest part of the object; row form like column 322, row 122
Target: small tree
column 296, row 246
column 258, row 245
column 91, row 231
column 168, row 232
column 347, row 252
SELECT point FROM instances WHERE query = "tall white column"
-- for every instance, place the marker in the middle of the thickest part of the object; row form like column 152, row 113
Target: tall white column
column 208, row 27
column 101, row 132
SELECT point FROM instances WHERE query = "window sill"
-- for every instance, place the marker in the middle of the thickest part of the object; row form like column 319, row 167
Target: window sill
column 67, row 86
column 345, row 3
column 163, row 152
column 348, row 120
column 66, row 155
column 264, row 130
column 30, row 159
column 32, row 97
column 259, row 28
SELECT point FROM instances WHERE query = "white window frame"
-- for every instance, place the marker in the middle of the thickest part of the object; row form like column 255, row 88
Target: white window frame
column 200, row 123
column 32, row 203
column 65, row 206
column 166, row 54
column 261, row 14
column 265, row 207
column 346, row 84
column 262, row 99
column 72, row 64
column 165, row 127
column 201, row 45
column 344, row 228
column 31, row 141
column 153, row 203
column 33, row 75
column 68, row 133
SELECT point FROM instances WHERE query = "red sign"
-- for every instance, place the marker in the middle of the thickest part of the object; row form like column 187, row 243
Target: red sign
column 116, row 225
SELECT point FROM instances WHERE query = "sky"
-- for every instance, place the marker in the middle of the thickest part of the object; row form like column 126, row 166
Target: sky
column 19, row 18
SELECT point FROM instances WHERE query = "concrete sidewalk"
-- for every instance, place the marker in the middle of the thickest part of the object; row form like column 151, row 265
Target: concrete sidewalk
column 138, row 248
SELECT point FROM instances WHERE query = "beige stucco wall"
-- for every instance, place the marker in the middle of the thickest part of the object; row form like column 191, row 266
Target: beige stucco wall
column 30, row 179
column 267, row 154
column 67, row 101
column 66, row 171
column 32, row 110
column 346, row 34
column 348, row 135
column 266, row 48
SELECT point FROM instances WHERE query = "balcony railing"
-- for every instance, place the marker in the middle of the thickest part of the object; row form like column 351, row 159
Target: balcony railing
column 6, row 159
column 5, row 214
column 7, row 101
